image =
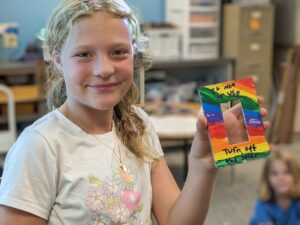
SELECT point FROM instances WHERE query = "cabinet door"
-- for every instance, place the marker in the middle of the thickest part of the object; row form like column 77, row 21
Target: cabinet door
column 257, row 23
column 254, row 54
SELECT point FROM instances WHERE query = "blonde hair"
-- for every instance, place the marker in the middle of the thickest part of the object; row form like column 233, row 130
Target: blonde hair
column 129, row 126
column 266, row 193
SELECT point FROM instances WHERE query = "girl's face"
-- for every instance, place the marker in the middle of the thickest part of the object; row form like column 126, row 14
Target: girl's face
column 280, row 178
column 97, row 62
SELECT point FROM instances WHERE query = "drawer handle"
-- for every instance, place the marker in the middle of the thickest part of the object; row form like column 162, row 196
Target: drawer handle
column 254, row 47
column 253, row 65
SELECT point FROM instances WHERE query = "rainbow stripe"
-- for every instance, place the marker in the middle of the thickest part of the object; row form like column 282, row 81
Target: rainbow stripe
column 212, row 96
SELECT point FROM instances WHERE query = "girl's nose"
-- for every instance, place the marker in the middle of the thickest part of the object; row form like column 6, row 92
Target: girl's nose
column 103, row 67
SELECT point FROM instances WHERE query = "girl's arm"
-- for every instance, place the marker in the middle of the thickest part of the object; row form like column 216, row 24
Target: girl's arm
column 12, row 216
column 29, row 181
column 191, row 205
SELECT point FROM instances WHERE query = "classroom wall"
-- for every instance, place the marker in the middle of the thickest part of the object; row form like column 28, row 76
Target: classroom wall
column 150, row 11
column 32, row 16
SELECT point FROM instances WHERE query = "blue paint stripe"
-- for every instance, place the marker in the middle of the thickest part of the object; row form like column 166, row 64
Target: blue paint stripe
column 213, row 113
column 253, row 118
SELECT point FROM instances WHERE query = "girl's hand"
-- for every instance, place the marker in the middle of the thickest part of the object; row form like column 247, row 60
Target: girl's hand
column 236, row 130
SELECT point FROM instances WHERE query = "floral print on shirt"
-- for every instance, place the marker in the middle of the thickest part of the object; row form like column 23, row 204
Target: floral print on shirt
column 113, row 201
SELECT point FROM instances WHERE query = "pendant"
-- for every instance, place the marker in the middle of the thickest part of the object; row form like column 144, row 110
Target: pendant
column 123, row 167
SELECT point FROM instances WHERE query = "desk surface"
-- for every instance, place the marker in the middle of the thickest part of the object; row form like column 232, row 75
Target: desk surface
column 178, row 125
column 174, row 127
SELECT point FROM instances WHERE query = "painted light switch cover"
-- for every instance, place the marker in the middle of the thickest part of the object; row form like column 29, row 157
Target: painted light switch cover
column 213, row 98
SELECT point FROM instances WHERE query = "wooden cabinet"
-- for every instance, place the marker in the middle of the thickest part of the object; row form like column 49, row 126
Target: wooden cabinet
column 25, row 81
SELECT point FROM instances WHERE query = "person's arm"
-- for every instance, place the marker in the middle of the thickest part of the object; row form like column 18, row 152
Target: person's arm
column 191, row 205
column 11, row 216
column 29, row 181
column 262, row 214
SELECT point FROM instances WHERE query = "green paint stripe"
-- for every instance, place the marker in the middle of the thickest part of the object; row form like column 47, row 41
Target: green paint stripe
column 241, row 159
column 208, row 96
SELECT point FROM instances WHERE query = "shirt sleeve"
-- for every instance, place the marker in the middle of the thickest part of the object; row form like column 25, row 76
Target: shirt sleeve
column 29, row 181
column 262, row 213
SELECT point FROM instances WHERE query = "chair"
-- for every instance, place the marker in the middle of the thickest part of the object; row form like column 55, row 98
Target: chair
column 8, row 137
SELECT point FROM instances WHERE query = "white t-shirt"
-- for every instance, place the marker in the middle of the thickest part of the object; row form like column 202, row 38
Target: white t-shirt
column 60, row 173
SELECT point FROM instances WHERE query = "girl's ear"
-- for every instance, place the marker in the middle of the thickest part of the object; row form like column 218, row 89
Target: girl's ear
column 57, row 60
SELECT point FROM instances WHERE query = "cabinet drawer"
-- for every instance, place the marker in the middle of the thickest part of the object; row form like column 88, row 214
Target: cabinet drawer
column 198, row 48
column 203, row 17
column 255, row 54
column 164, row 43
column 204, row 2
column 203, row 32
column 257, row 23
column 176, row 16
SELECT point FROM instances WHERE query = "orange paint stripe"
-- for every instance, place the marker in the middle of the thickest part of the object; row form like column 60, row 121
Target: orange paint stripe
column 242, row 86
column 219, row 144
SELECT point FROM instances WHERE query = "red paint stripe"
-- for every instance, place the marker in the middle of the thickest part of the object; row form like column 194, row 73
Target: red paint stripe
column 217, row 130
column 255, row 131
column 246, row 85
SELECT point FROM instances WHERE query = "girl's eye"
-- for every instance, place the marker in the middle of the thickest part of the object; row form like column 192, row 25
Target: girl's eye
column 120, row 52
column 83, row 54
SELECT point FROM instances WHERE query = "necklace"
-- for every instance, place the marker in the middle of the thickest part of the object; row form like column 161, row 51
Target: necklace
column 117, row 157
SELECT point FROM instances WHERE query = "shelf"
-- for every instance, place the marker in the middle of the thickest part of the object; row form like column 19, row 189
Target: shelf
column 23, row 118
column 204, row 9
column 174, row 64
column 204, row 56
column 183, row 108
column 184, row 75
column 203, row 40
column 176, row 8
column 208, row 3
column 25, row 80
column 11, row 68
column 24, row 93
column 204, row 25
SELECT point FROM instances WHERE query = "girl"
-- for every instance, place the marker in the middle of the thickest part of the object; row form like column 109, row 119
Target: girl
column 95, row 158
column 279, row 194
